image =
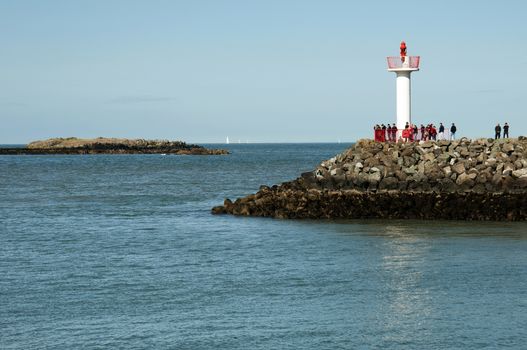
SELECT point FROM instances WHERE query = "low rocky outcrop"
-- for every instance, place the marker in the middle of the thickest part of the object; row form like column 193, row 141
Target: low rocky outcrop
column 101, row 145
column 466, row 179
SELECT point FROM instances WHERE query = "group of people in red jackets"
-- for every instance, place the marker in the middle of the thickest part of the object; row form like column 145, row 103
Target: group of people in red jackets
column 383, row 133
column 411, row 132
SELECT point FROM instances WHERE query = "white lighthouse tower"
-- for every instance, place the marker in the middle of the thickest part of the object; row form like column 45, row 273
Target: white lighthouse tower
column 403, row 66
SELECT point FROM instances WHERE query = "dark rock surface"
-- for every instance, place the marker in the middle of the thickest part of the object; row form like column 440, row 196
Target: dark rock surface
column 463, row 180
column 110, row 146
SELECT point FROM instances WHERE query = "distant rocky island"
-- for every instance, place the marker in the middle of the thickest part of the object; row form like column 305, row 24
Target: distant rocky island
column 102, row 145
column 481, row 179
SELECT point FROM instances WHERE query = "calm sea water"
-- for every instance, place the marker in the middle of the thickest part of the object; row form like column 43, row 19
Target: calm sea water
column 121, row 252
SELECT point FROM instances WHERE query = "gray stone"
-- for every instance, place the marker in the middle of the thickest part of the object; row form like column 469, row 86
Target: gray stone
column 410, row 170
column 465, row 180
column 458, row 168
column 463, row 152
column 429, row 157
column 409, row 161
column 443, row 157
column 481, row 178
column 401, row 175
column 347, row 167
column 374, row 177
column 320, row 174
column 421, row 150
column 462, row 178
column 421, row 168
column 508, row 168
column 490, row 162
column 358, row 167
column 519, row 173
column 426, row 144
column 508, row 147
column 407, row 151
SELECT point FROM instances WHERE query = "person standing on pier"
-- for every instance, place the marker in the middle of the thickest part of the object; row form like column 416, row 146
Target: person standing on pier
column 497, row 130
column 441, row 131
column 394, row 132
column 453, row 130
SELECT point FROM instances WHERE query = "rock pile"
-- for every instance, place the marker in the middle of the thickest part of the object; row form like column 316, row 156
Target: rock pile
column 482, row 179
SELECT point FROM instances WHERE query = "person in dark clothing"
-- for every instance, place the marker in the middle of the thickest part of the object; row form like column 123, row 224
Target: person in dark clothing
column 441, row 131
column 388, row 134
column 497, row 129
column 506, row 130
column 453, row 130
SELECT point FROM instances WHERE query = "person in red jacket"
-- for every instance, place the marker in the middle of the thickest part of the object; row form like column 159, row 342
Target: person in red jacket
column 403, row 50
column 406, row 133
column 376, row 132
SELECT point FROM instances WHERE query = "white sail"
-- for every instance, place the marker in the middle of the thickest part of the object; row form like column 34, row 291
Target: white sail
column 227, row 140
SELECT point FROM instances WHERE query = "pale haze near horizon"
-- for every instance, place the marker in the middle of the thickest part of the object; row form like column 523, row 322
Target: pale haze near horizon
column 266, row 71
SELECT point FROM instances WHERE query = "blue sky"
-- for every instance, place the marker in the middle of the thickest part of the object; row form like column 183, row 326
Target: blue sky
column 262, row 71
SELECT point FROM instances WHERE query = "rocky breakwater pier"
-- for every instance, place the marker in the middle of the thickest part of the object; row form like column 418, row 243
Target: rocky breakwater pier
column 102, row 145
column 479, row 179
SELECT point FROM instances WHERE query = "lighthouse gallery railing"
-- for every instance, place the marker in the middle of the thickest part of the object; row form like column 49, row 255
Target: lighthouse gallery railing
column 403, row 62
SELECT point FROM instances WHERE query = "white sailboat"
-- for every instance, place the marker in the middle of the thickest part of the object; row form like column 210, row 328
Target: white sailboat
column 227, row 140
